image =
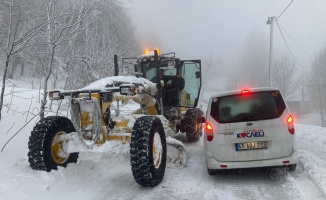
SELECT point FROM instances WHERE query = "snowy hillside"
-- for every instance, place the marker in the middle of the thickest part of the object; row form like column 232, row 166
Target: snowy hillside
column 106, row 174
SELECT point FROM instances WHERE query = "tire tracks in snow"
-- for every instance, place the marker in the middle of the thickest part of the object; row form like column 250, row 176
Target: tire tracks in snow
column 193, row 182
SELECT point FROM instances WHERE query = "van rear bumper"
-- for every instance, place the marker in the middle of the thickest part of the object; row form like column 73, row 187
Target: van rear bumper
column 212, row 163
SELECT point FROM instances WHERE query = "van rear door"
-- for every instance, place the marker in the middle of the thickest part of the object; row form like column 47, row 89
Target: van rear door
column 250, row 126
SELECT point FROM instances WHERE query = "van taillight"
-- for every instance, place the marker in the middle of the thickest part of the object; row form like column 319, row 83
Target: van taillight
column 290, row 124
column 245, row 92
column 209, row 131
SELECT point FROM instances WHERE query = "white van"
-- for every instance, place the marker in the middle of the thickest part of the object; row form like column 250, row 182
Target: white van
column 249, row 128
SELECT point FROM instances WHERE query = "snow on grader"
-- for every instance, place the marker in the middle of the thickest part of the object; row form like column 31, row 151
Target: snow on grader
column 167, row 90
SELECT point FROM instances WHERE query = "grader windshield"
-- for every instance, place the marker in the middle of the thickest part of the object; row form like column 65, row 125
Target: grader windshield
column 191, row 72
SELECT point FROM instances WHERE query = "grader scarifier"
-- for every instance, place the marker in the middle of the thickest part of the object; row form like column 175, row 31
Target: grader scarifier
column 57, row 140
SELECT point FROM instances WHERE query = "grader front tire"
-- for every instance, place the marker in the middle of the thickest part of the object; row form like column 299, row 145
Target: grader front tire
column 148, row 151
column 45, row 146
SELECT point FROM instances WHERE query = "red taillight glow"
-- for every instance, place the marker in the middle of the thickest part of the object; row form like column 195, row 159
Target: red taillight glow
column 245, row 92
column 209, row 127
column 223, row 166
column 290, row 124
column 209, row 132
column 286, row 162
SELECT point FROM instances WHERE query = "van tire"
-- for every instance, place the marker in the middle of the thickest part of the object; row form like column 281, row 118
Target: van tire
column 212, row 171
column 291, row 167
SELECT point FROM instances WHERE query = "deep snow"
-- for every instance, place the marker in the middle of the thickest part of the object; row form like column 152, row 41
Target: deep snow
column 106, row 174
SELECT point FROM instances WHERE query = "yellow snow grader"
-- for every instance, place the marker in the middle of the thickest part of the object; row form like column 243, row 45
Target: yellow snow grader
column 57, row 140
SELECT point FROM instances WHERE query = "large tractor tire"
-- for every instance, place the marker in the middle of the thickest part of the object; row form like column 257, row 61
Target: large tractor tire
column 148, row 151
column 45, row 146
column 192, row 127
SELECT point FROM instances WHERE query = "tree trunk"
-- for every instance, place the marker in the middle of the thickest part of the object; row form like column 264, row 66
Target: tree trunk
column 45, row 87
column 22, row 69
column 4, row 83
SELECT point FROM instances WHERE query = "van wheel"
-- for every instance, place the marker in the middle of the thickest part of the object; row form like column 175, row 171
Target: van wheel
column 291, row 167
column 45, row 144
column 212, row 171
column 192, row 128
column 148, row 151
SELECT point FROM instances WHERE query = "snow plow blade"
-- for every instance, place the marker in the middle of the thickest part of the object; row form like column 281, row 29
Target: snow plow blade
column 176, row 153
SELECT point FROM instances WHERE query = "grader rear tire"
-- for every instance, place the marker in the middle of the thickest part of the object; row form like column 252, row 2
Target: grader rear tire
column 192, row 127
column 148, row 151
column 45, row 147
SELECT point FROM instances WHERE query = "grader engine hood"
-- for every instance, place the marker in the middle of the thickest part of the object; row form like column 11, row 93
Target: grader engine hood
column 95, row 124
column 142, row 92
column 113, row 83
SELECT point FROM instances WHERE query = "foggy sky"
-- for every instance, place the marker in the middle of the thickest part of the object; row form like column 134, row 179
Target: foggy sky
column 194, row 28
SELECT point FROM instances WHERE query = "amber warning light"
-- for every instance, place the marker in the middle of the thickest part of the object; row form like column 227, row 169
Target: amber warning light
column 148, row 51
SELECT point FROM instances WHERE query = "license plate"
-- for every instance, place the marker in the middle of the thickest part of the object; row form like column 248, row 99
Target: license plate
column 251, row 145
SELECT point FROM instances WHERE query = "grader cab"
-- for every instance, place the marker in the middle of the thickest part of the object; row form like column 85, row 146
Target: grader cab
column 178, row 84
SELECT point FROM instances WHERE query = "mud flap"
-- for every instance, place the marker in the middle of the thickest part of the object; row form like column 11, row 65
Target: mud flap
column 176, row 153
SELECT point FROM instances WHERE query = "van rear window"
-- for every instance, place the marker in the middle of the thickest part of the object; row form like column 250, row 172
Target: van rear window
column 248, row 107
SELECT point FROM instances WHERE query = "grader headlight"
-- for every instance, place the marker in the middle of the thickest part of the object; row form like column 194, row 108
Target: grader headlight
column 128, row 89
column 55, row 95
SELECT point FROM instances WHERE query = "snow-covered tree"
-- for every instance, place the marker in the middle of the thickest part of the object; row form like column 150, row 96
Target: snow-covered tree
column 17, row 35
column 71, row 42
column 284, row 76
column 64, row 19
column 106, row 31
column 317, row 84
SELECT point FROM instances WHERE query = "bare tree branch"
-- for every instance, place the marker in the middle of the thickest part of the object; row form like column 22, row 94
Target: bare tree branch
column 284, row 75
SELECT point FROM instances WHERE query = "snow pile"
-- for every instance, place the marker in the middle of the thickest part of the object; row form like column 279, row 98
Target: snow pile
column 176, row 153
column 312, row 152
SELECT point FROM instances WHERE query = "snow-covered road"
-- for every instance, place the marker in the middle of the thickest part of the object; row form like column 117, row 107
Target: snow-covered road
column 107, row 175
column 100, row 176
column 193, row 182
column 237, row 184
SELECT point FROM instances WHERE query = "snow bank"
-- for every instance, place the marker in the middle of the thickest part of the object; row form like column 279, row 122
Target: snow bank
column 311, row 142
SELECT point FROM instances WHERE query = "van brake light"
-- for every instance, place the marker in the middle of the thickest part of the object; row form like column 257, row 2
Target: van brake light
column 209, row 132
column 245, row 92
column 290, row 124
column 209, row 127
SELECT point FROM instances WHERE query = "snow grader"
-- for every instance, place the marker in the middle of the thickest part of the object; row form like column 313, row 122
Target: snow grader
column 167, row 107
